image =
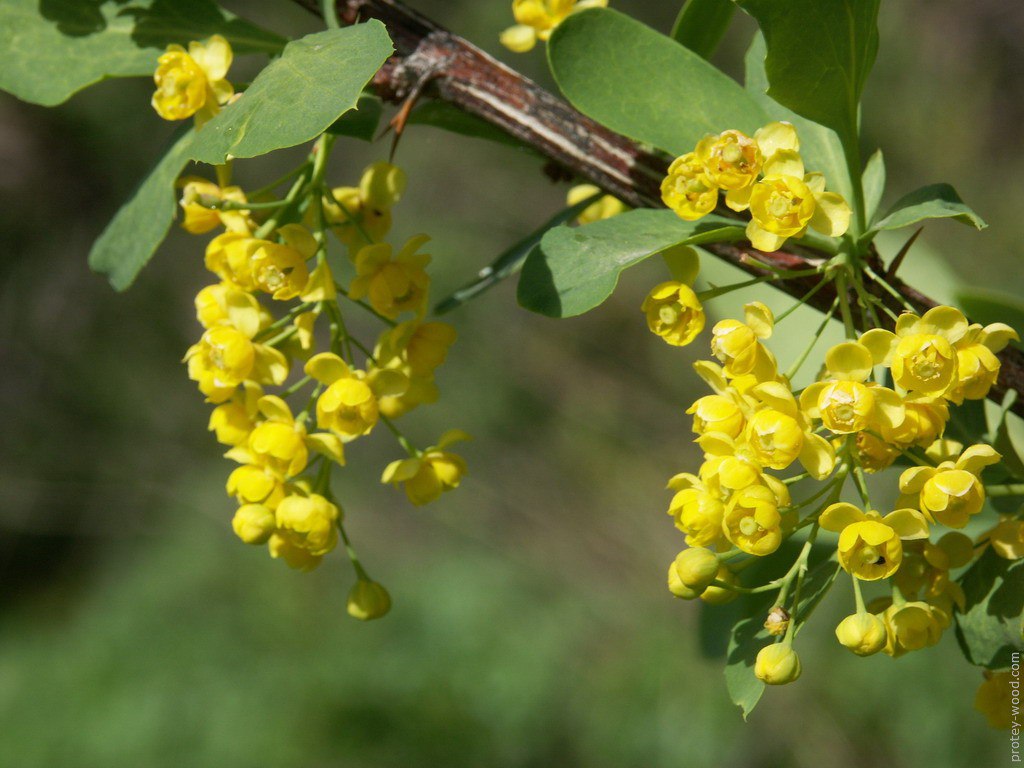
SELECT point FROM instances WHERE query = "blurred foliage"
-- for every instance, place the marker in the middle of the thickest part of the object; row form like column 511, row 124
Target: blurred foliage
column 531, row 625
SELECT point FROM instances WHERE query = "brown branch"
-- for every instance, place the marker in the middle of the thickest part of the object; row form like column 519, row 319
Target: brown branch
column 462, row 74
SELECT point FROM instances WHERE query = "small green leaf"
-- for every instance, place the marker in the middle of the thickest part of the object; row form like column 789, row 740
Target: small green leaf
column 298, row 96
column 990, row 627
column 448, row 117
column 361, row 122
column 643, row 84
column 819, row 55
column 51, row 49
column 574, row 269
column 511, row 261
column 135, row 232
column 874, row 184
column 819, row 146
column 701, row 24
column 937, row 201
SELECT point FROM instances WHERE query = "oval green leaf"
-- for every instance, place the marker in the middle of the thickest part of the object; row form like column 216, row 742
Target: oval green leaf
column 298, row 96
column 936, row 201
column 574, row 269
column 50, row 50
column 643, row 84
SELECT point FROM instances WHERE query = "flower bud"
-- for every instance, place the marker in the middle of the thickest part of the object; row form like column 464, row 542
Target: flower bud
column 253, row 523
column 862, row 633
column 777, row 622
column 382, row 185
column 676, row 586
column 721, row 595
column 697, row 567
column 368, row 600
column 777, row 664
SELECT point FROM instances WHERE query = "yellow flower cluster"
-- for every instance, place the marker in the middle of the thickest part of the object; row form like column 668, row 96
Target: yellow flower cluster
column 763, row 174
column 274, row 329
column 842, row 426
column 537, row 19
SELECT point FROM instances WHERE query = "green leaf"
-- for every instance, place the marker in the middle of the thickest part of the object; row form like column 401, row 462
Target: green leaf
column 49, row 49
column 701, row 24
column 361, row 122
column 135, row 232
column 574, row 269
column 990, row 628
column 937, row 201
column 298, row 96
column 874, row 184
column 819, row 146
column 747, row 638
column 448, row 117
column 511, row 261
column 819, row 55
column 643, row 84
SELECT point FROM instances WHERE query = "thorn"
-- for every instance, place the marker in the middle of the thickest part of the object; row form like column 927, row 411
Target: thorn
column 898, row 261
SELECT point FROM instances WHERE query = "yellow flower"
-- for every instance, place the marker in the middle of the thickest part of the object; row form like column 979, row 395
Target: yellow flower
column 360, row 216
column 869, row 544
column 393, row 283
column 226, row 304
column 254, row 523
column 777, row 664
column 415, row 350
column 977, row 364
column 368, row 600
column 717, row 413
column 431, row 473
column 537, row 19
column 731, row 160
column 235, row 420
column 196, row 198
column 921, row 351
column 349, row 406
column 604, row 207
column 926, row 568
column 192, row 82
column 994, row 699
column 737, row 345
column 873, row 455
column 924, row 421
column 226, row 356
column 779, row 433
column 250, row 484
column 770, row 140
column 687, row 190
column 846, row 402
column 952, row 492
column 786, row 201
column 674, row 313
column 306, row 530
column 280, row 269
column 229, row 256
column 1007, row 538
column 862, row 633
column 752, row 521
column 698, row 509
column 912, row 626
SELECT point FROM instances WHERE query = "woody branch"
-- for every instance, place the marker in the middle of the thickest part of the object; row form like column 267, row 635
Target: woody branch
column 434, row 62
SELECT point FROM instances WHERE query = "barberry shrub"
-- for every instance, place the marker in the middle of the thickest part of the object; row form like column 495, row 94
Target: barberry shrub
column 780, row 510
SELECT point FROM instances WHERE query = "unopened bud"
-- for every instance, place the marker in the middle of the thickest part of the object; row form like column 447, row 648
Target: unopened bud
column 368, row 600
column 777, row 664
column 697, row 567
column 253, row 523
column 862, row 633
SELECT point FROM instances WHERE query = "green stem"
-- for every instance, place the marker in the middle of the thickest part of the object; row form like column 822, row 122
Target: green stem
column 722, row 290
column 805, row 554
column 289, row 202
column 296, row 386
column 352, row 556
column 340, row 289
column 857, row 596
column 843, row 291
column 803, row 299
column 402, row 440
column 795, row 367
column 330, row 13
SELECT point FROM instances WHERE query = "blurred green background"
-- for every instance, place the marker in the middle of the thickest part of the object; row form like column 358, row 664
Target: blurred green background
column 531, row 626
